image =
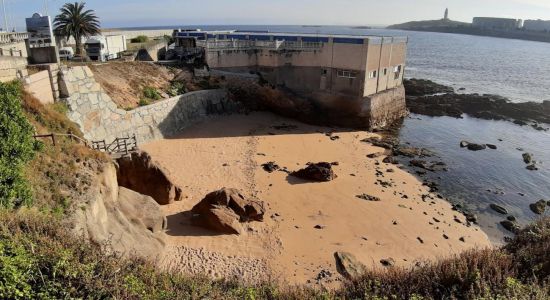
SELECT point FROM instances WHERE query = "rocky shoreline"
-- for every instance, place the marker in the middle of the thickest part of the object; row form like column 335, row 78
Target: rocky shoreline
column 426, row 97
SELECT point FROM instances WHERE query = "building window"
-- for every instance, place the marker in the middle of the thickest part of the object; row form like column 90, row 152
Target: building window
column 346, row 74
column 324, row 72
column 372, row 74
column 385, row 71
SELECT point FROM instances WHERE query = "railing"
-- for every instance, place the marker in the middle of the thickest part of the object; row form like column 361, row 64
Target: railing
column 118, row 146
column 12, row 37
column 252, row 45
column 11, row 52
column 53, row 135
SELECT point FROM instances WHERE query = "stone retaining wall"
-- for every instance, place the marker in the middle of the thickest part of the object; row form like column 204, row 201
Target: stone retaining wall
column 100, row 118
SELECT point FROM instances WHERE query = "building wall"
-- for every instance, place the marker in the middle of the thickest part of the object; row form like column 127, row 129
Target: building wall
column 39, row 85
column 12, row 67
column 495, row 23
column 536, row 25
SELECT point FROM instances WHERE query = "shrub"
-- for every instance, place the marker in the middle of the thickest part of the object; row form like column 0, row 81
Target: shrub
column 144, row 102
column 16, row 147
column 140, row 39
column 176, row 88
column 151, row 93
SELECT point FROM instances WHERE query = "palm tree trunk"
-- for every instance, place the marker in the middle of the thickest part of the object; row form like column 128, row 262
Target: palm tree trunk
column 78, row 41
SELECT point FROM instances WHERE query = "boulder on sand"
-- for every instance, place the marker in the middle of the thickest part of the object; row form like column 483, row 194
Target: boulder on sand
column 348, row 266
column 224, row 209
column 539, row 207
column 476, row 147
column 321, row 172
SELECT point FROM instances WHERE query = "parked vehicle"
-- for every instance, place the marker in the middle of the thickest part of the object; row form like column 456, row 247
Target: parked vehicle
column 66, row 53
column 104, row 48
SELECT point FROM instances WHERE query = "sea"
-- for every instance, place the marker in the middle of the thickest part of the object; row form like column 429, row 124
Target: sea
column 516, row 69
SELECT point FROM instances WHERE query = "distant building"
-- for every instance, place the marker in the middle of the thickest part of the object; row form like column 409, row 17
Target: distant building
column 537, row 25
column 363, row 73
column 496, row 23
column 446, row 16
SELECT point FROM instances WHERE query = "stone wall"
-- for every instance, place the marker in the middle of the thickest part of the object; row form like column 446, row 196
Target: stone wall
column 386, row 107
column 101, row 119
column 12, row 67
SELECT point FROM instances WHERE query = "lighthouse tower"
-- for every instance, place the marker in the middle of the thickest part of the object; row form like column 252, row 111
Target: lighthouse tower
column 446, row 17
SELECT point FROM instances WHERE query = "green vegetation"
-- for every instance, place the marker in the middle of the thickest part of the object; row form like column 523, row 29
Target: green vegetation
column 144, row 102
column 16, row 148
column 77, row 22
column 140, row 39
column 176, row 88
column 151, row 93
column 41, row 258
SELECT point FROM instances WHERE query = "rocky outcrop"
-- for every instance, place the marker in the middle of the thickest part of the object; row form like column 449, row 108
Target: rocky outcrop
column 445, row 102
column 321, row 172
column 539, row 207
column 224, row 210
column 348, row 265
column 121, row 220
column 138, row 173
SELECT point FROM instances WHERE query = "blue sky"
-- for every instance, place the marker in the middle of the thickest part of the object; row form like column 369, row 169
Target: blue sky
column 121, row 13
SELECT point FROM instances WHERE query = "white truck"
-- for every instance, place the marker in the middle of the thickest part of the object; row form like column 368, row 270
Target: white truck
column 104, row 48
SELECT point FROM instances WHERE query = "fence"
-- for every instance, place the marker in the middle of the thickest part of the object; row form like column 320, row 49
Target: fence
column 118, row 146
column 53, row 135
column 252, row 45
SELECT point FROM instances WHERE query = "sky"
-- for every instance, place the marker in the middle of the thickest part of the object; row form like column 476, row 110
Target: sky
column 136, row 13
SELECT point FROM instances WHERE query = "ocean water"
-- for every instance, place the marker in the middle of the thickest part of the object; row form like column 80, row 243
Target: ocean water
column 519, row 70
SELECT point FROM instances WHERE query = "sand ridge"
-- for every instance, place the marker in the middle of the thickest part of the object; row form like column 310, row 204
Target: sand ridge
column 407, row 225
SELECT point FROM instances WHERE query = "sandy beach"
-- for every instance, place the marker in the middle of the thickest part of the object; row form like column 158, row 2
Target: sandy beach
column 228, row 152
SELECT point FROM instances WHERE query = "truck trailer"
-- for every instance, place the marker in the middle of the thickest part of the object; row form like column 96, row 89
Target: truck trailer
column 104, row 48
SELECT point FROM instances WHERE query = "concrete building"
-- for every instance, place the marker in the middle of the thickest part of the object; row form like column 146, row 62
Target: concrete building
column 361, row 73
column 537, row 25
column 496, row 23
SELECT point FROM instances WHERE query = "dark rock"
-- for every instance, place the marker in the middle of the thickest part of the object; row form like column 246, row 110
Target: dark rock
column 539, row 207
column 270, row 167
column 320, row 227
column 412, row 152
column 532, row 167
column 139, row 173
column 464, row 144
column 368, row 197
column 348, row 265
column 510, row 226
column 499, row 209
column 375, row 155
column 476, row 147
column 471, row 217
column 285, row 127
column 527, row 158
column 387, row 262
column 218, row 208
column 321, row 172
column 491, row 146
column 511, row 218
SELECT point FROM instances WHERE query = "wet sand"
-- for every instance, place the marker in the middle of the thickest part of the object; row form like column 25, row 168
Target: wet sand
column 228, row 152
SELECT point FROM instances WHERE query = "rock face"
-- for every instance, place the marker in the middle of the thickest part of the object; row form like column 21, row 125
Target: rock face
column 140, row 174
column 539, row 207
column 348, row 266
column 125, row 221
column 321, row 172
column 224, row 210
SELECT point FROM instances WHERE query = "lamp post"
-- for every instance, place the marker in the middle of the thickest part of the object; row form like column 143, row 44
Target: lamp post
column 5, row 16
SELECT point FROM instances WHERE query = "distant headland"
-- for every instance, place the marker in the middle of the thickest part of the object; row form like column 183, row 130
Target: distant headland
column 532, row 30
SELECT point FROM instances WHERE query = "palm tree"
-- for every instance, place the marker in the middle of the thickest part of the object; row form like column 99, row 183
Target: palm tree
column 77, row 22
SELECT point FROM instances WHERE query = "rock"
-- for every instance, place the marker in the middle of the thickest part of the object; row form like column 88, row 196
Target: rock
column 491, row 146
column 368, row 197
column 464, row 144
column 471, row 217
column 412, row 152
column 510, row 226
column 375, row 155
column 511, row 218
column 223, row 210
column 142, row 209
column 270, row 167
column 387, row 262
column 321, row 172
column 527, row 158
column 320, row 226
column 499, row 209
column 532, row 167
column 476, row 147
column 139, row 173
column 389, row 160
column 539, row 207
column 348, row 266
column 248, row 209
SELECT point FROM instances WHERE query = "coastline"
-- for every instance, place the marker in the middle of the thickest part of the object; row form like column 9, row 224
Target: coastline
column 408, row 225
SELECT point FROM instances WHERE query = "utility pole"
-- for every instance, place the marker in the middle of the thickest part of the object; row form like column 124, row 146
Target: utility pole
column 5, row 16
